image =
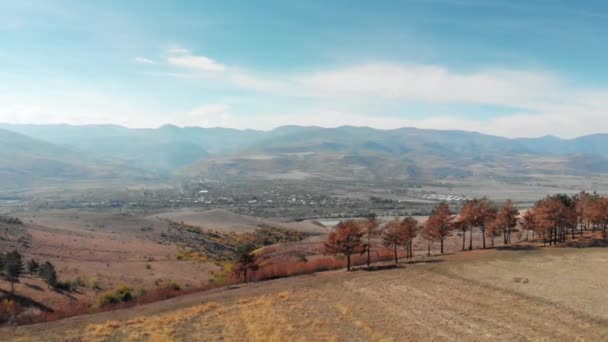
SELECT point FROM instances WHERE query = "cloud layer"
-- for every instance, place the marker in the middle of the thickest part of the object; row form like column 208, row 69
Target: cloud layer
column 540, row 102
column 527, row 102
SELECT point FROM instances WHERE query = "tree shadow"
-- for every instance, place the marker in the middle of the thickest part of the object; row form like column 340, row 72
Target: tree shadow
column 517, row 248
column 33, row 287
column 380, row 268
column 401, row 264
column 587, row 243
column 66, row 293
column 25, row 301
column 430, row 261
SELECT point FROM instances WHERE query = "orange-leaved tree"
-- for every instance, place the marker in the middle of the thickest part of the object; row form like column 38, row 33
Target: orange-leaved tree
column 410, row 230
column 347, row 239
column 439, row 224
column 394, row 236
column 485, row 212
column 370, row 231
column 507, row 215
column 466, row 220
column 528, row 222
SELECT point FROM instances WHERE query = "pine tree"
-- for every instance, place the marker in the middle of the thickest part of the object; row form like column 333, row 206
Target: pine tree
column 13, row 268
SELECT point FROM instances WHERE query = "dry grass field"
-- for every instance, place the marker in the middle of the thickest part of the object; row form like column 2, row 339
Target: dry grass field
column 482, row 295
column 110, row 248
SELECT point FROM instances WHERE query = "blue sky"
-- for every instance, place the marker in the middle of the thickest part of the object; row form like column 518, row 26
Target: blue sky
column 513, row 68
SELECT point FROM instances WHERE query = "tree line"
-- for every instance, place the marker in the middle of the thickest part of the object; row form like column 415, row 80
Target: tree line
column 13, row 267
column 550, row 220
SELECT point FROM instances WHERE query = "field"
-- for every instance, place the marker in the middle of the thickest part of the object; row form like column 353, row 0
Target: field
column 480, row 295
column 103, row 249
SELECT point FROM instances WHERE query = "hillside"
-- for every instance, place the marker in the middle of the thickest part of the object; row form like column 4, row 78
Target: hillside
column 227, row 221
column 26, row 161
column 485, row 296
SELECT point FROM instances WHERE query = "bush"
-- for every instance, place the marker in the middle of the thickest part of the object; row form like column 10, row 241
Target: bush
column 172, row 285
column 140, row 292
column 120, row 294
column 70, row 285
column 94, row 284
column 224, row 275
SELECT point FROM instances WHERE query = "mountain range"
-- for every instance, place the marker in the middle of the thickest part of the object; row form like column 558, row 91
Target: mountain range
column 32, row 153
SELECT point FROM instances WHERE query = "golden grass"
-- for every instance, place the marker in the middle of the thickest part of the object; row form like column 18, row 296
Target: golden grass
column 261, row 319
column 153, row 328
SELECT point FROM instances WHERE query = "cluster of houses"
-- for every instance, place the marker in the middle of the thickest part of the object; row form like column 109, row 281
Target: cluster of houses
column 445, row 198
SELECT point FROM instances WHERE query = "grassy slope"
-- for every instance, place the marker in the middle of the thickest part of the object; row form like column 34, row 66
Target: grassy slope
column 468, row 296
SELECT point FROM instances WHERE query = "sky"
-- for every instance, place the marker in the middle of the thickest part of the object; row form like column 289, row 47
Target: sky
column 509, row 68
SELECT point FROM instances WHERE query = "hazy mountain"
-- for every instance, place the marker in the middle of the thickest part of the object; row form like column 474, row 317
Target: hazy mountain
column 343, row 152
column 26, row 161
column 166, row 149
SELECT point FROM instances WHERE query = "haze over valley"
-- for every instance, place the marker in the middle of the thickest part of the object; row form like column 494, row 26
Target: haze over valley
column 421, row 170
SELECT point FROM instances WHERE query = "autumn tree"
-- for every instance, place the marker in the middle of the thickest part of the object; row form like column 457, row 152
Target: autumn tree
column 581, row 205
column 347, row 239
column 410, row 230
column 507, row 216
column 425, row 233
column 370, row 229
column 393, row 237
column 463, row 226
column 556, row 214
column 439, row 223
column 466, row 220
column 493, row 228
column 528, row 222
column 485, row 211
column 246, row 260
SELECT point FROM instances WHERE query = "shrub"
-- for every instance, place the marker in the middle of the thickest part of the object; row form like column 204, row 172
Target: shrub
column 140, row 292
column 172, row 285
column 190, row 255
column 70, row 285
column 224, row 275
column 121, row 293
column 94, row 284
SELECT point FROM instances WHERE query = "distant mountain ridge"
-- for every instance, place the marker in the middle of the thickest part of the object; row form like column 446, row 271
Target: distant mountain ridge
column 25, row 161
column 342, row 152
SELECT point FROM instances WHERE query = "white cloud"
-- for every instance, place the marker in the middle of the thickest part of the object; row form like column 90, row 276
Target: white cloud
column 185, row 59
column 422, row 83
column 543, row 102
column 430, row 83
column 209, row 115
column 144, row 60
